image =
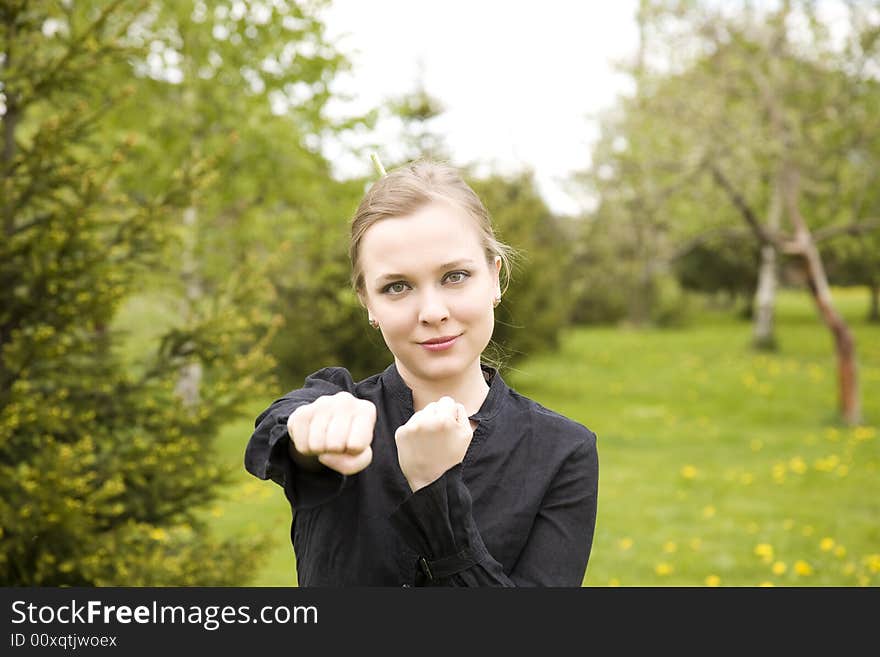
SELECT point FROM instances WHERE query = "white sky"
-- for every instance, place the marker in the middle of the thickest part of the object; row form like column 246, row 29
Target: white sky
column 520, row 81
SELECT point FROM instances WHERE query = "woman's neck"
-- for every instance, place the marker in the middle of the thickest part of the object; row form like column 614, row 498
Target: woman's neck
column 469, row 389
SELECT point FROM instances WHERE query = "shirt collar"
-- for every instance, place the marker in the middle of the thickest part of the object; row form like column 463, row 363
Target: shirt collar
column 395, row 384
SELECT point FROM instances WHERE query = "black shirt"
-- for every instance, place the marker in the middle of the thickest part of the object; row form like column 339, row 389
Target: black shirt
column 519, row 510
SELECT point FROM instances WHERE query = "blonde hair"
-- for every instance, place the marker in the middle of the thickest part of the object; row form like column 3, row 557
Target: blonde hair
column 407, row 189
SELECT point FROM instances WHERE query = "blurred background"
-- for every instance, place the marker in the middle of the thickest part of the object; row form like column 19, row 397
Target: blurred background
column 693, row 188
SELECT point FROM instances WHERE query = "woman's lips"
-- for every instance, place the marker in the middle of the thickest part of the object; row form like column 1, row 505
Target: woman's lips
column 440, row 346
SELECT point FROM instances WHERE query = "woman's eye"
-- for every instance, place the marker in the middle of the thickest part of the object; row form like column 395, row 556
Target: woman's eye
column 457, row 276
column 395, row 288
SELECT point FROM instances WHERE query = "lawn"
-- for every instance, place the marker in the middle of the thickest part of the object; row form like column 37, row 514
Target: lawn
column 719, row 465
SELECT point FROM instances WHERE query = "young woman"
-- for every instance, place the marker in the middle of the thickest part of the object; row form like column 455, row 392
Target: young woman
column 434, row 471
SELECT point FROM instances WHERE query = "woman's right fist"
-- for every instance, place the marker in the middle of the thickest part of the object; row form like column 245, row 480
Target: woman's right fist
column 337, row 429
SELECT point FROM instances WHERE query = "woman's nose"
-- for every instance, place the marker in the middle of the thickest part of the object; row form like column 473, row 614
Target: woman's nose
column 432, row 308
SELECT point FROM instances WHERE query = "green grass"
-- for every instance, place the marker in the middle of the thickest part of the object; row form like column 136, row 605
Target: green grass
column 252, row 506
column 717, row 463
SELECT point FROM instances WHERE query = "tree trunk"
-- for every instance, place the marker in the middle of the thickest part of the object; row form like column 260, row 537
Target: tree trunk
column 190, row 379
column 844, row 342
column 763, row 327
column 763, row 337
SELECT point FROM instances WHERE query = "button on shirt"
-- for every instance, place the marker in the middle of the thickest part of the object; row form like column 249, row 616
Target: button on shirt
column 519, row 510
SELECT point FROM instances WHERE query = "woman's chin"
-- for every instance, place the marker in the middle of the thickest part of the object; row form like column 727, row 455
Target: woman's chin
column 436, row 366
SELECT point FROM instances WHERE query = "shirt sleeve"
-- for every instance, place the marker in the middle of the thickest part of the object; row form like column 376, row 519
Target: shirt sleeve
column 267, row 453
column 437, row 521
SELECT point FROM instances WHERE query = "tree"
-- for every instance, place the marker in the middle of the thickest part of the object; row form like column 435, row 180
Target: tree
column 726, row 265
column 533, row 312
column 249, row 83
column 104, row 468
column 744, row 110
column 416, row 111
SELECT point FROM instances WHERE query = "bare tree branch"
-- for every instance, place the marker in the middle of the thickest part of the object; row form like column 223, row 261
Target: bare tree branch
column 739, row 202
column 861, row 228
column 723, row 231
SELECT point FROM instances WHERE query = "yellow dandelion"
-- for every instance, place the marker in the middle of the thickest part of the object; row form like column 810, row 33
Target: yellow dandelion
column 864, row 433
column 827, row 464
column 217, row 512
column 797, row 465
column 872, row 561
column 613, row 582
column 802, row 568
column 749, row 380
column 765, row 551
column 767, row 585
column 663, row 569
column 625, row 544
column 669, row 547
column 779, row 568
column 778, row 472
column 713, row 580
column 708, row 511
column 826, row 544
column 688, row 472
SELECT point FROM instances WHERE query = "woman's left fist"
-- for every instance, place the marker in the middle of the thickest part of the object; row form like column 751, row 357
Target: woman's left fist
column 432, row 441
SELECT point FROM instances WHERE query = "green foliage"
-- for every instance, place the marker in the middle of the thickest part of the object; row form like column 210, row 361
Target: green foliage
column 855, row 261
column 106, row 468
column 728, row 265
column 416, row 111
column 252, row 87
column 533, row 310
column 324, row 323
column 743, row 95
column 672, row 304
column 603, row 275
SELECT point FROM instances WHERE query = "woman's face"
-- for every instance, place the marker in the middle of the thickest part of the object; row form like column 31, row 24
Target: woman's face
column 426, row 277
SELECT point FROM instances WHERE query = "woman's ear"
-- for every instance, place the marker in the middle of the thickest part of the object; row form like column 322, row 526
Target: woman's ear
column 497, row 275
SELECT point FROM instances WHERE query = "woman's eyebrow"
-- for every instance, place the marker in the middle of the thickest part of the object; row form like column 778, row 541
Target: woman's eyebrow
column 445, row 266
